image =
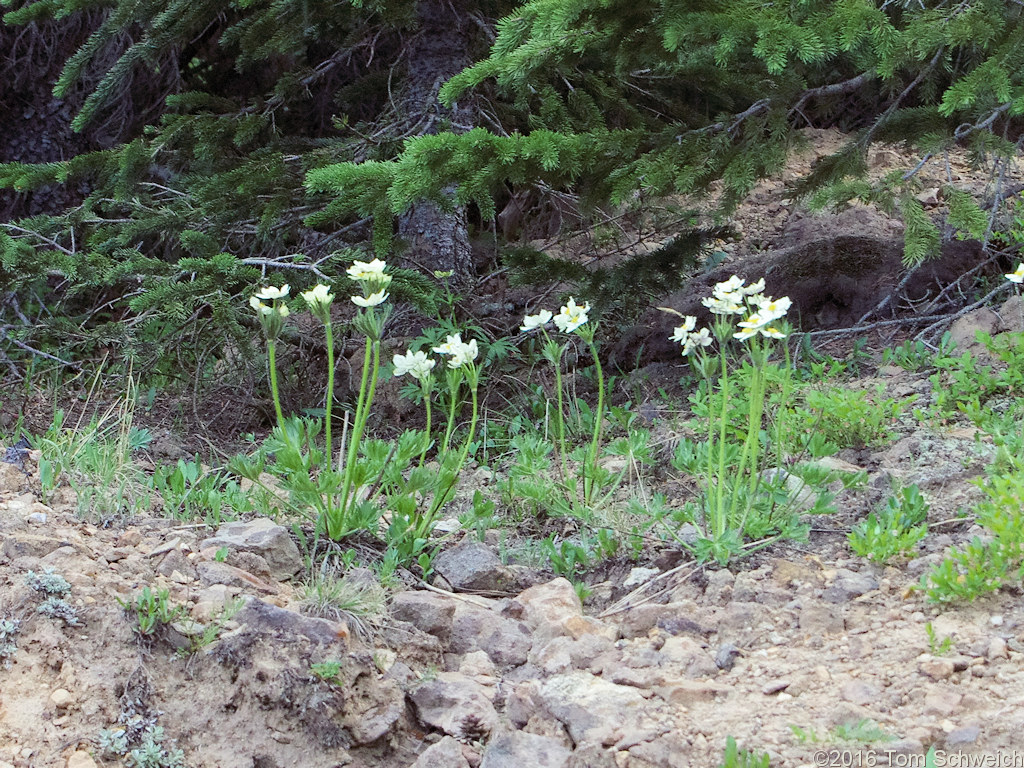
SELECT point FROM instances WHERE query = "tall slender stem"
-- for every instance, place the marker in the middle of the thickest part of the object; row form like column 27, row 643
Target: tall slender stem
column 426, row 432
column 272, row 359
column 329, row 404
column 589, row 482
column 335, row 524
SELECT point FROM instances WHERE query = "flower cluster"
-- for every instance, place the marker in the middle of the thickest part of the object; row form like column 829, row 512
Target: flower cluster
column 734, row 297
column 271, row 315
column 569, row 318
column 690, row 338
column 461, row 353
column 416, row 364
column 318, row 299
column 1017, row 276
column 372, row 279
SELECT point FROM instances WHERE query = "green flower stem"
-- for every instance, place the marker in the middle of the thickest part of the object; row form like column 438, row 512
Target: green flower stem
column 720, row 522
column 336, row 522
column 589, row 483
column 329, row 405
column 751, row 444
column 272, row 360
column 454, row 381
column 426, row 432
column 444, row 497
column 560, row 416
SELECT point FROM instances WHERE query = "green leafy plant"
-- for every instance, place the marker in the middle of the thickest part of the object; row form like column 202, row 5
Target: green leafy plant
column 150, row 611
column 8, row 645
column 738, row 498
column 191, row 491
column 864, row 731
column 851, row 418
column 894, row 530
column 328, row 671
column 935, row 645
column 371, row 475
column 96, row 459
column 735, row 757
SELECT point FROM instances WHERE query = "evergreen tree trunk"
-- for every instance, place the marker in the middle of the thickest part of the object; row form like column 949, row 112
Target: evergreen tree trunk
column 436, row 239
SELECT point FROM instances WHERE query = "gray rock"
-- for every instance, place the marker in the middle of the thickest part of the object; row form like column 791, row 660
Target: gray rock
column 264, row 538
column 687, row 653
column 517, row 749
column 848, row 585
column 817, row 619
column 264, row 618
column 674, row 618
column 473, row 567
column 960, row 737
column 449, row 699
column 719, row 587
column 370, row 716
column 211, row 572
column 426, row 611
column 447, row 753
column 638, row 576
column 859, row 692
column 592, row 709
column 725, row 657
column 505, row 640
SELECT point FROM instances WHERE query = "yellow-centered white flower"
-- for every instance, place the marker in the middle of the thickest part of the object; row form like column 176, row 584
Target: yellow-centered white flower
column 1017, row 276
column 533, row 322
column 373, row 300
column 571, row 316
column 729, row 305
column 754, row 288
column 372, row 271
column 773, row 309
column 451, row 344
column 701, row 338
column 269, row 293
column 464, row 354
column 733, row 285
column 318, row 296
column 260, row 307
column 416, row 364
column 681, row 332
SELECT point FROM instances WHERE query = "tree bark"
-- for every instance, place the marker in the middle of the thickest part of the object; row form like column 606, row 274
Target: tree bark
column 434, row 238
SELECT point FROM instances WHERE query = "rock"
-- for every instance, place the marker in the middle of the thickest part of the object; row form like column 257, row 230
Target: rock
column 116, row 554
column 263, row 537
column 687, row 693
column 687, row 653
column 997, row 649
column 669, row 750
column 859, row 692
column 547, row 607
column 81, row 759
column 507, row 641
column 960, row 737
column 817, row 619
column 30, row 545
column 726, row 656
column 427, row 611
column 12, row 479
column 638, row 577
column 371, row 715
column 719, row 587
column 1011, row 315
column 264, row 618
column 591, row 709
column 518, row 749
column 61, row 699
column 447, row 753
column 937, row 669
column 848, row 585
column 474, row 567
column 477, row 665
column 965, row 329
column 130, row 538
column 212, row 572
column 941, row 702
column 776, row 686
column 447, row 701
column 252, row 563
